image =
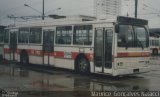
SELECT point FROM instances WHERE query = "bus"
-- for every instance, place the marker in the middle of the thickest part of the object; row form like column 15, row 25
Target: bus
column 155, row 41
column 155, row 45
column 113, row 47
column 1, row 41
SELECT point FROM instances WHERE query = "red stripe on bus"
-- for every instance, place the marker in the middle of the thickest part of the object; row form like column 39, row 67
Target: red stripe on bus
column 48, row 53
column 35, row 52
column 133, row 54
column 59, row 54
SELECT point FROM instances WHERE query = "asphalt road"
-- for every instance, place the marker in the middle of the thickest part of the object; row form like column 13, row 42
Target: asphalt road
column 27, row 78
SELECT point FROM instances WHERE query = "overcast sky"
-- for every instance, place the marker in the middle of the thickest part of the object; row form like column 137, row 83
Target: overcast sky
column 148, row 9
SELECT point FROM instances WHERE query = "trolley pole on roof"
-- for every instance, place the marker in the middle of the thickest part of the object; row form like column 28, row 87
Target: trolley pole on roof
column 136, row 7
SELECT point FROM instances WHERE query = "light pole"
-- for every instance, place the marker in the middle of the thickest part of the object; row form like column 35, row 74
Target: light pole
column 43, row 15
column 43, row 11
column 32, row 8
column 136, row 7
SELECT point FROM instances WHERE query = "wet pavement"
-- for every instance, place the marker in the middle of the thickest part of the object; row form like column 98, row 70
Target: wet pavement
column 29, row 78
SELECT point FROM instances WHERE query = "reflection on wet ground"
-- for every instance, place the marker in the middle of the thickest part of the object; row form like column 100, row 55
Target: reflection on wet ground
column 29, row 78
column 24, row 79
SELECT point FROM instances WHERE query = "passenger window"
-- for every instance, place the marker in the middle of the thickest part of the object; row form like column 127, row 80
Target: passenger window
column 23, row 35
column 82, row 35
column 64, row 35
column 35, row 35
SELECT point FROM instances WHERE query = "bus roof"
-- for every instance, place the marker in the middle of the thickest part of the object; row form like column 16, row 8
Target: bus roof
column 130, row 20
column 71, row 20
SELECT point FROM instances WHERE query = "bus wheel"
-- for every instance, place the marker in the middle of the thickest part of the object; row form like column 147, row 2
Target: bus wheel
column 83, row 65
column 24, row 59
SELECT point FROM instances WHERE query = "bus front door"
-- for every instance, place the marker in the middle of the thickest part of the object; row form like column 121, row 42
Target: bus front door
column 48, row 46
column 103, row 50
column 13, row 45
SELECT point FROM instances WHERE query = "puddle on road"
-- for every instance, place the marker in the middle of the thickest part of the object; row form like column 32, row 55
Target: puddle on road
column 25, row 79
column 155, row 60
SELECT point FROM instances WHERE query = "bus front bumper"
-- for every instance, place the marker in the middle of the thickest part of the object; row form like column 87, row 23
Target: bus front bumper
column 131, row 71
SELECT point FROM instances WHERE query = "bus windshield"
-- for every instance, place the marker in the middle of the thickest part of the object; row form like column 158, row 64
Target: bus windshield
column 133, row 36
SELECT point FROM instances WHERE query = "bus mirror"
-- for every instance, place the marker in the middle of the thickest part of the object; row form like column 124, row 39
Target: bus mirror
column 117, row 28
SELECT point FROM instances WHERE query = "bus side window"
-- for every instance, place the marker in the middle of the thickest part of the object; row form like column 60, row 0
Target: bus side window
column 64, row 35
column 35, row 35
column 23, row 35
column 82, row 35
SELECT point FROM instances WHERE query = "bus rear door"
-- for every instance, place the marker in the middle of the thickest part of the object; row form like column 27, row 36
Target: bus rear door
column 48, row 46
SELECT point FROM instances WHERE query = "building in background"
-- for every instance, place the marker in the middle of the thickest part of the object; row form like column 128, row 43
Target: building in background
column 107, row 8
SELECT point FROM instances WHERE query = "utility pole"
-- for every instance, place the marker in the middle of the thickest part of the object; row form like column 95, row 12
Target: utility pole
column 136, row 7
column 43, row 11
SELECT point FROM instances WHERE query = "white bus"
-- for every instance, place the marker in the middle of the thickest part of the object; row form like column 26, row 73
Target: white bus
column 113, row 47
column 1, row 41
column 155, row 45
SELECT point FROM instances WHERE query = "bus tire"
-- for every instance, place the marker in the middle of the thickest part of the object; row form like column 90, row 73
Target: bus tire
column 83, row 65
column 24, row 59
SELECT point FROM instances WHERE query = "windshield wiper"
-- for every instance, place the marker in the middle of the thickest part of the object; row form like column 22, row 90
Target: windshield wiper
column 140, row 42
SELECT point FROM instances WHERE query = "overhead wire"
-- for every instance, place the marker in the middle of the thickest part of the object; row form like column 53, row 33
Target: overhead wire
column 13, row 10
